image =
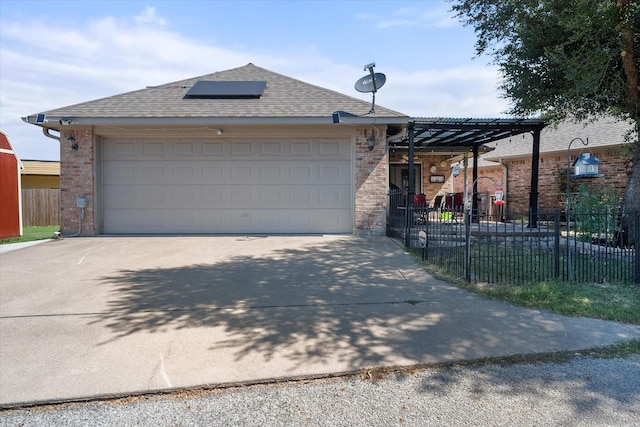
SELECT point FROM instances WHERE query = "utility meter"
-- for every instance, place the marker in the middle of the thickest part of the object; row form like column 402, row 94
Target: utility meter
column 81, row 202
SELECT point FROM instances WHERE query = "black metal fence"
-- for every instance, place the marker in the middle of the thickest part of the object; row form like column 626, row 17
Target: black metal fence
column 591, row 247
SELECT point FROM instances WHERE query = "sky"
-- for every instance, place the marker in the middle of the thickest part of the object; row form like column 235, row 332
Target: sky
column 59, row 53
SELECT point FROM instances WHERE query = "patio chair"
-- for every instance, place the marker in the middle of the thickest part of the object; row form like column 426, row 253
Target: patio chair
column 437, row 204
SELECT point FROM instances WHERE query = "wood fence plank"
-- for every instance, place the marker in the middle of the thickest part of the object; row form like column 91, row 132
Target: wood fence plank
column 40, row 207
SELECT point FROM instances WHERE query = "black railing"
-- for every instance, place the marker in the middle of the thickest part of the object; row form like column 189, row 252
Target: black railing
column 505, row 248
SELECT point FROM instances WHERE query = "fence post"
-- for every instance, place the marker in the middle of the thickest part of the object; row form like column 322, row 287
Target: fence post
column 467, row 224
column 408, row 222
column 556, row 243
column 636, row 248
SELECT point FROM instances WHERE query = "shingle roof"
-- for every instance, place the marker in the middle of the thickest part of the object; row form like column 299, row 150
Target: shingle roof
column 601, row 132
column 284, row 98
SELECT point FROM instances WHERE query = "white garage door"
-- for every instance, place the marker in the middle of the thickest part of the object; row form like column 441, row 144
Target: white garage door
column 160, row 187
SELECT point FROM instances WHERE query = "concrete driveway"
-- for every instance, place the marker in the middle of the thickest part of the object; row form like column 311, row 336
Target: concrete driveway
column 106, row 316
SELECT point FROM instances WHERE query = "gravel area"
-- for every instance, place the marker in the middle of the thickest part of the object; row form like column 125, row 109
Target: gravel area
column 584, row 392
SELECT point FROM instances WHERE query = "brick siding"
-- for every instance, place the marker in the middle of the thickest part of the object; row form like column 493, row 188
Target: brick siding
column 76, row 180
column 372, row 178
column 551, row 194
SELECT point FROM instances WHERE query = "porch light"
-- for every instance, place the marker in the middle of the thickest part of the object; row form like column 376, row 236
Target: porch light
column 370, row 142
column 72, row 140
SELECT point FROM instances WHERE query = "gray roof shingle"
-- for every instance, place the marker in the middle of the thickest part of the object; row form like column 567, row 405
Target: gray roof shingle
column 606, row 131
column 284, row 98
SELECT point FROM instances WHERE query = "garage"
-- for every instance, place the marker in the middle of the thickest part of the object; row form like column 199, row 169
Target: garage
column 226, row 186
column 238, row 151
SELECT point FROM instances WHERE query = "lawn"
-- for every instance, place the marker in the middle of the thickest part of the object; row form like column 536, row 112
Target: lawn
column 31, row 234
column 617, row 302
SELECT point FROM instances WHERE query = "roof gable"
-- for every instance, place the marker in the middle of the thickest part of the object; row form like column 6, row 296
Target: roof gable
column 283, row 97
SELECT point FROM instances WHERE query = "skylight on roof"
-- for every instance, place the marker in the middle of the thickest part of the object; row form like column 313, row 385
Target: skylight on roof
column 208, row 89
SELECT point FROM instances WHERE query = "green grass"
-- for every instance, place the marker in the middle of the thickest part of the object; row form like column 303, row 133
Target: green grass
column 620, row 303
column 525, row 278
column 31, row 234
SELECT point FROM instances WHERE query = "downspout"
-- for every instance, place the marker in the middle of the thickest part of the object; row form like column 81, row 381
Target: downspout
column 80, row 218
column 46, row 133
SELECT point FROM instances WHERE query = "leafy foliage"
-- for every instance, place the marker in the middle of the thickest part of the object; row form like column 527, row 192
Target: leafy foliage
column 557, row 58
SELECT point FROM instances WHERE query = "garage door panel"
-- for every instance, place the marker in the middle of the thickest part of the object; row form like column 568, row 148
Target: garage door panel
column 188, row 196
column 329, row 148
column 120, row 197
column 301, row 174
column 241, row 148
column 153, row 149
column 301, row 186
column 214, row 196
column 156, row 197
column 188, row 149
column 121, row 174
column 212, row 149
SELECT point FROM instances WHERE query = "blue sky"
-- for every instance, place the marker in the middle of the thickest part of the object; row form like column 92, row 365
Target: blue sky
column 58, row 53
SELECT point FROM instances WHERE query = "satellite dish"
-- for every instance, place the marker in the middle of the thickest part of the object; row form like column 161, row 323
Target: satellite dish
column 366, row 83
column 371, row 83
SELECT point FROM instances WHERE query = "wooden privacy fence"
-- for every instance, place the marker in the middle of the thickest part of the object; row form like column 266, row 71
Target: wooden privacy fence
column 40, row 207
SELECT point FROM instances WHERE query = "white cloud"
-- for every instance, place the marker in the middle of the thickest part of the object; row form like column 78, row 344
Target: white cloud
column 149, row 17
column 468, row 91
column 109, row 56
column 405, row 18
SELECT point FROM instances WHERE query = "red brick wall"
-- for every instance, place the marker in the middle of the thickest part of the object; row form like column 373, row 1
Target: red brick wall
column 550, row 191
column 372, row 176
column 76, row 180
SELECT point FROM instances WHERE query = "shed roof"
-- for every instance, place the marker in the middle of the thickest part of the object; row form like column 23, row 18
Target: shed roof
column 284, row 99
column 41, row 167
column 6, row 148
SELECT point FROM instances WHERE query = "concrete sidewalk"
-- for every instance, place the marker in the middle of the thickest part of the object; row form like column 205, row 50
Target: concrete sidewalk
column 107, row 316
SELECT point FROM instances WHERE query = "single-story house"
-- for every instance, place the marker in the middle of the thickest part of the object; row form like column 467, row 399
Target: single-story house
column 244, row 150
column 40, row 174
column 10, row 191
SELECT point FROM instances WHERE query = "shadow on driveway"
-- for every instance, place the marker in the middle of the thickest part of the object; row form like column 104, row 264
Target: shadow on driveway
column 317, row 300
column 114, row 316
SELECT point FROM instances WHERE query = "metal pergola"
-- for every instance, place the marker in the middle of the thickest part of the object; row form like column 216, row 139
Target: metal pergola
column 468, row 134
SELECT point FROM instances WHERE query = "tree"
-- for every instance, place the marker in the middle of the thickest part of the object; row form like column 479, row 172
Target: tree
column 561, row 58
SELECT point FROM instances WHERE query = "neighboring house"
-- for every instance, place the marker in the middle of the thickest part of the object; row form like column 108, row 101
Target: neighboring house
column 40, row 174
column 10, row 192
column 40, row 193
column 509, row 163
column 244, row 150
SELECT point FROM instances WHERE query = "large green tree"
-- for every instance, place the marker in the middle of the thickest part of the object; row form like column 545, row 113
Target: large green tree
column 565, row 58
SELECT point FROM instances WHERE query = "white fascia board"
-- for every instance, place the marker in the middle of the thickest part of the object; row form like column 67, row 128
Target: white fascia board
column 53, row 122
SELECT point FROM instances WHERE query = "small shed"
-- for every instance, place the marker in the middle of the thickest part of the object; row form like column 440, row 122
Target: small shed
column 10, row 191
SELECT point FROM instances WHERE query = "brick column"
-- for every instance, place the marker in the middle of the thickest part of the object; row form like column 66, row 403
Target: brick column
column 76, row 180
column 372, row 176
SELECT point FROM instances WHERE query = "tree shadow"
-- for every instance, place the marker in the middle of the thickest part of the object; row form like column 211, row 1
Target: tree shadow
column 586, row 385
column 359, row 302
column 330, row 300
